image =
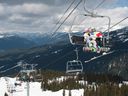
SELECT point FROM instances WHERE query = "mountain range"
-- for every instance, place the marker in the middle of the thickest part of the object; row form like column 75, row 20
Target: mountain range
column 53, row 52
column 14, row 40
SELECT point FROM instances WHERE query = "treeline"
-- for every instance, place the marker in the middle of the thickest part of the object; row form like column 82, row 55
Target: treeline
column 106, row 90
column 67, row 83
column 92, row 84
column 54, row 80
column 100, row 78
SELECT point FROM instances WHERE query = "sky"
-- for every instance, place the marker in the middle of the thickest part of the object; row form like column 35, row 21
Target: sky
column 43, row 15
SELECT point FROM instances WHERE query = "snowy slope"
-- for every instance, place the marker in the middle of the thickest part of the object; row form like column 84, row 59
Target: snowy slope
column 8, row 84
column 3, row 86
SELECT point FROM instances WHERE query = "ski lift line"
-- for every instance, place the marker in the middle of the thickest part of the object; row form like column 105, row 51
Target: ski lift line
column 117, row 23
column 65, row 12
column 85, row 9
column 9, row 69
column 94, row 58
column 66, row 17
column 59, row 58
column 99, row 4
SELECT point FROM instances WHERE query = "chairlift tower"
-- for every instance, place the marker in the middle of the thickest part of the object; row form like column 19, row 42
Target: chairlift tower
column 74, row 66
column 27, row 69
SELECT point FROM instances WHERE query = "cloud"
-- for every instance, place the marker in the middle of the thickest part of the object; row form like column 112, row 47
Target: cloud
column 33, row 9
column 42, row 15
column 21, row 2
column 1, row 9
column 28, row 16
column 116, row 14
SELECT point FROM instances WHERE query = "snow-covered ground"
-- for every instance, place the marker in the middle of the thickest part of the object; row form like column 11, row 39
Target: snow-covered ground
column 3, row 86
column 7, row 85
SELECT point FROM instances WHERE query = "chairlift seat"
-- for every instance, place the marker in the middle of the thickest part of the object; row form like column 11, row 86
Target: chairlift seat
column 74, row 66
column 77, row 40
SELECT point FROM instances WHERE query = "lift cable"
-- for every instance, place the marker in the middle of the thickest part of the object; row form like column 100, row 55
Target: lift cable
column 94, row 58
column 99, row 4
column 66, row 18
column 53, row 62
column 9, row 68
column 116, row 24
column 65, row 12
column 85, row 9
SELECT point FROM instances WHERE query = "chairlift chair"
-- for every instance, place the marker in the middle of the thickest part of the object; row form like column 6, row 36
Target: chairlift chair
column 74, row 66
column 79, row 40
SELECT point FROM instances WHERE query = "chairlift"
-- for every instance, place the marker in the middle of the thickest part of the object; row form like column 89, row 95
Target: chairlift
column 79, row 40
column 74, row 66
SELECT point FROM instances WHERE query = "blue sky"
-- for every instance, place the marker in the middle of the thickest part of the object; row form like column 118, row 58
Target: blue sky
column 122, row 3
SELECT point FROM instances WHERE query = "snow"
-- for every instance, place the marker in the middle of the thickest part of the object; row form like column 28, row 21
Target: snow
column 118, row 34
column 8, row 86
column 125, row 82
column 117, row 27
column 57, row 51
column 1, row 36
column 3, row 86
column 37, row 56
column 125, row 40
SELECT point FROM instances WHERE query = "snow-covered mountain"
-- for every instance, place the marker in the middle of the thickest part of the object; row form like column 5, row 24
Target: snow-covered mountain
column 54, row 56
column 27, row 40
column 13, row 40
column 120, row 38
column 8, row 42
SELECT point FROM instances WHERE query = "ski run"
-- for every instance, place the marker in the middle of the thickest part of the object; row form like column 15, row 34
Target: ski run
column 8, row 86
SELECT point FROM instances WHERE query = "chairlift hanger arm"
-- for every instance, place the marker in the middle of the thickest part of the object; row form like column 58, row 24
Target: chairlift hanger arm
column 95, row 16
column 70, row 29
column 101, row 16
column 89, row 12
column 74, row 21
